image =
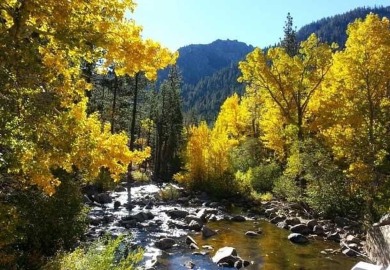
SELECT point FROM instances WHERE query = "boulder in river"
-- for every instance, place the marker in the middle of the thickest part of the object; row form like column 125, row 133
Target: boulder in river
column 165, row 243
column 190, row 240
column 238, row 218
column 292, row 221
column 102, row 198
column 298, row 238
column 300, row 228
column 251, row 234
column 190, row 218
column 176, row 213
column 226, row 255
column 207, row 232
column 194, row 225
column 278, row 219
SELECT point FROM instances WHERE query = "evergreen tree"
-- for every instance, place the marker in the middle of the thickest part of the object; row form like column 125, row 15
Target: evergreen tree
column 169, row 125
column 289, row 42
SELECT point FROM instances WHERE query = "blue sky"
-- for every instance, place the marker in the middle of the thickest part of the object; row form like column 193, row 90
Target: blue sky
column 176, row 23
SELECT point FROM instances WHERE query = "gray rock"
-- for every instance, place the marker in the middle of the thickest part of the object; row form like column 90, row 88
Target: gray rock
column 176, row 213
column 251, row 234
column 282, row 225
column 102, row 198
column 149, row 205
column 333, row 236
column 207, row 232
column 223, row 253
column 349, row 252
column 298, row 238
column 183, row 200
column 190, row 240
column 190, row 218
column 300, row 228
column 189, row 265
column 311, row 223
column 238, row 218
column 194, row 225
column 385, row 220
column 352, row 239
column 120, row 189
column 277, row 219
column 226, row 256
column 117, row 204
column 165, row 243
column 177, row 224
column 193, row 246
column 269, row 211
column 318, row 230
column 292, row 221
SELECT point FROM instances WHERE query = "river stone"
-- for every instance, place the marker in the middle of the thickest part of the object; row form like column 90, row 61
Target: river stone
column 269, row 211
column 190, row 240
column 190, row 218
column 385, row 220
column 207, row 232
column 223, row 253
column 177, row 224
column 120, row 189
column 194, row 225
column 189, row 265
column 300, row 228
column 251, row 234
column 311, row 223
column 352, row 239
column 226, row 256
column 117, row 204
column 333, row 236
column 193, row 246
column 292, row 221
column 282, row 225
column 277, row 219
column 298, row 238
column 238, row 218
column 102, row 198
column 202, row 214
column 318, row 230
column 349, row 252
column 165, row 243
column 176, row 213
column 149, row 205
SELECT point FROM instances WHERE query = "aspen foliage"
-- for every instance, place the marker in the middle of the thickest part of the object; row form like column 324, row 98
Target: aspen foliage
column 45, row 47
column 207, row 151
column 286, row 84
column 354, row 111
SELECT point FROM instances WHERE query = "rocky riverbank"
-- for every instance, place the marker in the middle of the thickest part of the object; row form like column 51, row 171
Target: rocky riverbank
column 164, row 227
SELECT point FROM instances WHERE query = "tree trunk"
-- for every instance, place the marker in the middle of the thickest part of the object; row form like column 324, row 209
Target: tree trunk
column 132, row 140
column 114, row 103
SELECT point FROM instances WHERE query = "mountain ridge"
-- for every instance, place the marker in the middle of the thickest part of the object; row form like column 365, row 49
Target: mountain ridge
column 210, row 71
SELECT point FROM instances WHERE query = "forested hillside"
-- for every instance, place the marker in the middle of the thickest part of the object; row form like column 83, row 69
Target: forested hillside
column 333, row 29
column 210, row 71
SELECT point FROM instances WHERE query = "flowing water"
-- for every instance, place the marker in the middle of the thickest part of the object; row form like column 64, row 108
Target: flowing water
column 270, row 250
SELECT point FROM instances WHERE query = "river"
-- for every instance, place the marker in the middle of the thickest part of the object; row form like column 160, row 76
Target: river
column 271, row 250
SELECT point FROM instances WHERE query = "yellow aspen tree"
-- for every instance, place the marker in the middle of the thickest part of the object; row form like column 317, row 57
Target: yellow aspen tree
column 354, row 111
column 196, row 157
column 44, row 47
column 286, row 85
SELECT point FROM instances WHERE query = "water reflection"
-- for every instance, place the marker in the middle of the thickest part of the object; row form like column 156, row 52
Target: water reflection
column 272, row 250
